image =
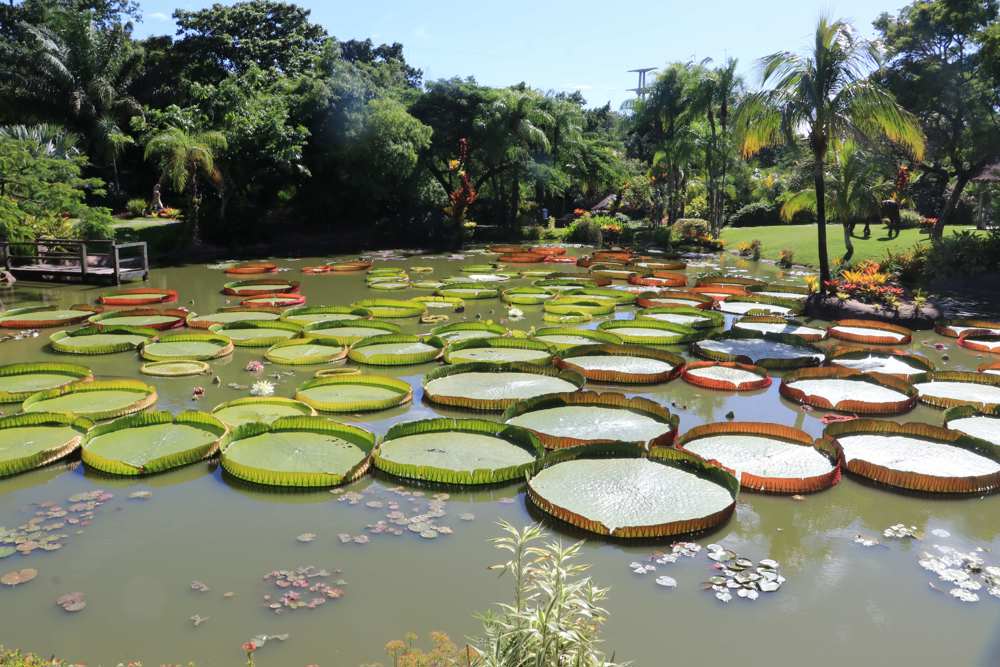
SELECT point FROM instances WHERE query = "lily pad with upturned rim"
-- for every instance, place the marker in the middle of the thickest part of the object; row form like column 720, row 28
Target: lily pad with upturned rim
column 298, row 452
column 152, row 318
column 670, row 299
column 620, row 296
column 396, row 350
column 695, row 318
column 152, row 442
column 780, row 325
column 570, row 303
column 896, row 363
column 29, row 441
column 257, row 334
column 44, row 316
column 263, row 409
column 650, row 332
column 500, row 349
column 621, row 364
column 484, row 386
column 95, row 399
column 980, row 340
column 138, row 296
column 846, row 390
column 354, row 393
column 526, row 296
column 175, row 368
column 104, row 340
column 739, row 305
column 726, row 376
column 305, row 351
column 439, row 302
column 870, row 332
column 955, row 328
column 458, row 451
column 916, row 457
column 273, row 301
column 976, row 423
column 391, row 308
column 461, row 331
column 250, row 268
column 19, row 381
column 564, row 338
column 233, row 314
column 306, row 315
column 580, row 418
column 350, row 332
column 247, row 288
column 949, row 389
column 766, row 457
column 771, row 351
column 613, row 490
column 472, row 291
column 197, row 345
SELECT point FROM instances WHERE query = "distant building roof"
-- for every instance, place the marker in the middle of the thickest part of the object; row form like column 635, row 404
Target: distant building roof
column 605, row 204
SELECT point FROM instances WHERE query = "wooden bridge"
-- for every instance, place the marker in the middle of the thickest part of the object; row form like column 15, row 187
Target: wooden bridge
column 74, row 260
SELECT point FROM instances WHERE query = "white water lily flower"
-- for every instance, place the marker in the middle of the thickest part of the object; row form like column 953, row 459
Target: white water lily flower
column 262, row 388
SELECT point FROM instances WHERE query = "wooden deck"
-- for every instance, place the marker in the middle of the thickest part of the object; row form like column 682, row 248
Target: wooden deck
column 79, row 261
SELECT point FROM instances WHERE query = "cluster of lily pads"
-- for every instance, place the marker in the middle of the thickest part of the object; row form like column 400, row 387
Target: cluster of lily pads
column 44, row 530
column 644, row 477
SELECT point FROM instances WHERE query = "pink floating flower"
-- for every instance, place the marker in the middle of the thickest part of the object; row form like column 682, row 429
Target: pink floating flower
column 249, row 647
column 254, row 366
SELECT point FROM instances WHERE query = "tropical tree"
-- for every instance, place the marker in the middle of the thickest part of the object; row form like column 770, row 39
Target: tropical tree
column 718, row 95
column 853, row 191
column 183, row 157
column 826, row 95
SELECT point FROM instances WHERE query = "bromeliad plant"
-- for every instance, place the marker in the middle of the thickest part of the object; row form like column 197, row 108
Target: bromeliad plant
column 868, row 283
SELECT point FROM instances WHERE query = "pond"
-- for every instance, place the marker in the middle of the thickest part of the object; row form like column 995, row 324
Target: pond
column 136, row 558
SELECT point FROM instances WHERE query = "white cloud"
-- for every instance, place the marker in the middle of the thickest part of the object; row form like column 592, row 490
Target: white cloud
column 157, row 16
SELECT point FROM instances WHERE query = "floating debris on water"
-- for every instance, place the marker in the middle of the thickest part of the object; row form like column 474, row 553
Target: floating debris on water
column 41, row 532
column 866, row 541
column 198, row 619
column 666, row 582
column 71, row 602
column 308, row 589
column 199, row 586
column 900, row 532
column 306, row 537
column 966, row 572
column 742, row 576
column 18, row 577
column 140, row 495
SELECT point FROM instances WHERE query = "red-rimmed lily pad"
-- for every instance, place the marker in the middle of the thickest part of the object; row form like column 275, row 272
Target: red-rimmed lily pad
column 896, row 363
column 44, row 316
column 956, row 328
column 273, row 301
column 259, row 286
column 726, row 376
column 153, row 318
column 138, row 296
column 949, row 389
column 621, row 364
column 870, row 332
column 780, row 325
column 18, row 577
column 846, row 390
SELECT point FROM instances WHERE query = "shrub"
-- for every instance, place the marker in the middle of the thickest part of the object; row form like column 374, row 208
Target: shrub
column 662, row 238
column 136, row 207
column 690, row 228
column 757, row 214
column 785, row 258
column 585, row 231
column 532, row 232
column 965, row 254
column 909, row 219
column 908, row 266
column 95, row 224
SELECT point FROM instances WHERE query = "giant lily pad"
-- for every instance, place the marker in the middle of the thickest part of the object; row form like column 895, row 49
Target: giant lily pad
column 846, row 390
column 298, row 452
column 350, row 332
column 350, row 266
column 772, row 351
column 585, row 417
column 622, row 494
column 152, row 442
column 498, row 350
column 526, row 296
column 19, row 381
column 354, row 393
column 459, row 331
column 138, row 296
column 754, row 305
column 564, row 338
column 396, row 350
column 175, row 368
column 980, row 340
column 273, row 301
column 96, row 399
column 695, row 318
column 728, row 280
column 956, row 328
column 889, row 362
column 264, row 409
column 726, row 376
column 673, row 299
column 39, row 317
column 616, row 294
column 440, row 302
column 152, row 318
column 29, row 441
column 104, row 340
column 305, row 315
column 949, row 389
column 870, row 332
column 621, row 364
column 659, row 279
column 305, row 351
column 467, row 291
column 982, row 424
column 482, row 386
column 391, row 309
column 780, row 325
column 196, row 345
column 251, row 268
column 458, row 451
column 260, row 286
column 650, row 332
column 570, row 304
column 257, row 334
column 234, row 314
column 781, row 291
column 766, row 457
column 917, row 457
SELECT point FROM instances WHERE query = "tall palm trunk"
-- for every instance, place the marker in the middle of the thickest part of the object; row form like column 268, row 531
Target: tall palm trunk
column 820, row 185
column 195, row 206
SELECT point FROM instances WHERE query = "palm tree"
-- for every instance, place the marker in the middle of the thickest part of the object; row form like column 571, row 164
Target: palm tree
column 46, row 140
column 826, row 95
column 853, row 191
column 183, row 157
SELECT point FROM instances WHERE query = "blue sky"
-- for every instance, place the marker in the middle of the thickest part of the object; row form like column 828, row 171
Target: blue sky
column 581, row 45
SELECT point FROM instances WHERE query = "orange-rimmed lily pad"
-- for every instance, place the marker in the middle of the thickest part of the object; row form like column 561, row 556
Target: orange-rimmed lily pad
column 44, row 316
column 138, row 296
column 621, row 364
column 248, row 288
column 726, row 376
column 847, row 390
column 870, row 332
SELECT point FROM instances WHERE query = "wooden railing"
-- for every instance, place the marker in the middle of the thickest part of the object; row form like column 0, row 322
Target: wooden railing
column 86, row 260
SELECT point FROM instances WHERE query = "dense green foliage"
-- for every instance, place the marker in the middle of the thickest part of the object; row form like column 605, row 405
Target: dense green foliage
column 258, row 123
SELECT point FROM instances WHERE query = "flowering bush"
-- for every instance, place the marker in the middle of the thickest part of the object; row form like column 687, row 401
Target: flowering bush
column 749, row 249
column 168, row 213
column 581, row 212
column 785, row 258
column 868, row 283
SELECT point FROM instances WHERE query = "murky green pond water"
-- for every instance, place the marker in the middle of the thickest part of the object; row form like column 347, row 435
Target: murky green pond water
column 843, row 603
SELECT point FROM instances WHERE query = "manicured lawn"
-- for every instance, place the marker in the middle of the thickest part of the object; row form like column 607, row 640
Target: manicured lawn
column 801, row 239
column 145, row 223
